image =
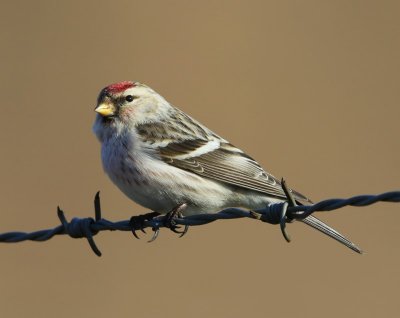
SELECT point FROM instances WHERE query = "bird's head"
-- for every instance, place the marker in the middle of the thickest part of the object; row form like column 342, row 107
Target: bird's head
column 127, row 104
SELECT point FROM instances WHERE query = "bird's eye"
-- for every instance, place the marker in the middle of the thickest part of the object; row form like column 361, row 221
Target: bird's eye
column 129, row 98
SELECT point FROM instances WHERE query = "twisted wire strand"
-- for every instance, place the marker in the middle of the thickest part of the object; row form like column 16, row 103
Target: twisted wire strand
column 334, row 204
column 277, row 213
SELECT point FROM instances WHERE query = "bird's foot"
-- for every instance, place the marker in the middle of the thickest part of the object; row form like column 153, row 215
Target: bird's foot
column 137, row 222
column 170, row 220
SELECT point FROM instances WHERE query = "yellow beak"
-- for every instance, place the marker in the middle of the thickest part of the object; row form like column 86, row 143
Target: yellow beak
column 105, row 109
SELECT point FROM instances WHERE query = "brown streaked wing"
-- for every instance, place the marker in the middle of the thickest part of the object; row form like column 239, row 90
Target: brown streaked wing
column 231, row 167
column 181, row 135
column 179, row 127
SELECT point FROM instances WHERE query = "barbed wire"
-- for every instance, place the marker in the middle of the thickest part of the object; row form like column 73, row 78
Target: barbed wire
column 276, row 213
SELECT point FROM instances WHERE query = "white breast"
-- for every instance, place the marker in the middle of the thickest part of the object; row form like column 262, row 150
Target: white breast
column 156, row 185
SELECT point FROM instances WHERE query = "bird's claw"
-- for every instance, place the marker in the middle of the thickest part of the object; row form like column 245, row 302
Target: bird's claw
column 137, row 222
column 156, row 231
column 185, row 230
column 171, row 223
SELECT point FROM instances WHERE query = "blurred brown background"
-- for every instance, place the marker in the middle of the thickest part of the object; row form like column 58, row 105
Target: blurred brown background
column 308, row 88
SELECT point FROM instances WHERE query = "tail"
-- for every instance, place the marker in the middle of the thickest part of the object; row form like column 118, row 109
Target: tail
column 326, row 229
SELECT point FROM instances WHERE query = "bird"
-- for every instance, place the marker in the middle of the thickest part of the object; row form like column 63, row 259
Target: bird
column 165, row 160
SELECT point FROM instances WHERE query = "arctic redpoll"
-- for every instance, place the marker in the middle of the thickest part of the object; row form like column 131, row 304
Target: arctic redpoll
column 162, row 158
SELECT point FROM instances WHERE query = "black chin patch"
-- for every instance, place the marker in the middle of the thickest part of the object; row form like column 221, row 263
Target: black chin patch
column 108, row 120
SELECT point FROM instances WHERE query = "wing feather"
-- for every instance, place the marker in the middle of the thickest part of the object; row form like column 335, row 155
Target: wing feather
column 186, row 144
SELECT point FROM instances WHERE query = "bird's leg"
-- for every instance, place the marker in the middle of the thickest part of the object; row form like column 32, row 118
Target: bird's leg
column 170, row 220
column 138, row 222
column 170, row 223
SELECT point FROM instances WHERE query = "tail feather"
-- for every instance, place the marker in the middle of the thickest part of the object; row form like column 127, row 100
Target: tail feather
column 326, row 229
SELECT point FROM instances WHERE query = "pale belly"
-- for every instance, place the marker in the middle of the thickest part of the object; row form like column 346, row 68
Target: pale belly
column 160, row 187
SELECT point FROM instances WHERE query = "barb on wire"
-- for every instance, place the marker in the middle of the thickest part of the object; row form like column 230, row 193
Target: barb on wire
column 277, row 213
